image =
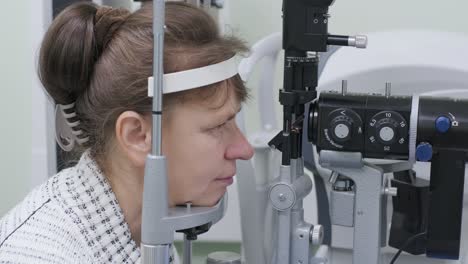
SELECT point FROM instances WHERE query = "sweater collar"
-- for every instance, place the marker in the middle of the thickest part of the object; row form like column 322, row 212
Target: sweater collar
column 86, row 196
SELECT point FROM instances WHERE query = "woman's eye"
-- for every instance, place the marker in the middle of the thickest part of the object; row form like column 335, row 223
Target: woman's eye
column 219, row 126
column 222, row 127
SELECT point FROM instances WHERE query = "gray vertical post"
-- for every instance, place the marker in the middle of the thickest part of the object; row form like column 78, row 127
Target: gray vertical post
column 187, row 250
column 158, row 73
column 155, row 204
column 300, row 230
column 284, row 223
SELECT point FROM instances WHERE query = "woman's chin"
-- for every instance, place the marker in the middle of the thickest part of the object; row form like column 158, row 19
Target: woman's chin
column 209, row 201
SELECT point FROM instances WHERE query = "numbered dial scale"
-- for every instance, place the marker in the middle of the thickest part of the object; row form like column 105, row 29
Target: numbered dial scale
column 387, row 130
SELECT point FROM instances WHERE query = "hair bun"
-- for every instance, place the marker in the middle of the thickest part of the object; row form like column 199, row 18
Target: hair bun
column 107, row 21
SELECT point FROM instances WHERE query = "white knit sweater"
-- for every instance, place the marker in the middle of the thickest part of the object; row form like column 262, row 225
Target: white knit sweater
column 72, row 218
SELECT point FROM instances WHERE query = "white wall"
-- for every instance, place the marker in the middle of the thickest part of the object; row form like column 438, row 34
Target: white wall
column 21, row 135
column 254, row 19
column 15, row 102
column 43, row 161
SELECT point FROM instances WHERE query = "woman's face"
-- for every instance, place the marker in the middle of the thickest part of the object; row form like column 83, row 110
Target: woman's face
column 202, row 144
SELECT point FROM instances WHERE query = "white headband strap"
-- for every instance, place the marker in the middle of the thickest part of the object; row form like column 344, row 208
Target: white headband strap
column 194, row 78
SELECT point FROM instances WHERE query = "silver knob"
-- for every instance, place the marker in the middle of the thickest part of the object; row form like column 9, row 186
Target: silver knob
column 387, row 134
column 391, row 191
column 358, row 41
column 343, row 185
column 316, row 235
column 341, row 131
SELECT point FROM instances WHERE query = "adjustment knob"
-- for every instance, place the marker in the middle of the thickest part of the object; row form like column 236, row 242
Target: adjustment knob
column 316, row 235
column 424, row 152
column 387, row 134
column 358, row 41
column 342, row 131
column 391, row 191
column 443, row 124
column 341, row 127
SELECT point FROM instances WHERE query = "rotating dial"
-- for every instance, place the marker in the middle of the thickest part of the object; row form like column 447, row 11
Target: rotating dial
column 386, row 129
column 343, row 125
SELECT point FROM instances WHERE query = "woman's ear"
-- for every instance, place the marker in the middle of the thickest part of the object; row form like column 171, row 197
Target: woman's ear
column 133, row 134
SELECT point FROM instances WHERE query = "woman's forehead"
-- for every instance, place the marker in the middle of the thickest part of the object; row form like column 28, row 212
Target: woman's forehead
column 218, row 98
column 215, row 107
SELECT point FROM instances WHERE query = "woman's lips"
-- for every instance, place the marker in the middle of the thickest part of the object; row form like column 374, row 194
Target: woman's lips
column 227, row 180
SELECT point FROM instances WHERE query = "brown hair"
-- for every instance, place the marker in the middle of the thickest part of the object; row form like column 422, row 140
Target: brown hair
column 100, row 58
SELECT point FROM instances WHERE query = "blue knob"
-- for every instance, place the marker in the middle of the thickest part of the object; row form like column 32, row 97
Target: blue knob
column 443, row 124
column 424, row 152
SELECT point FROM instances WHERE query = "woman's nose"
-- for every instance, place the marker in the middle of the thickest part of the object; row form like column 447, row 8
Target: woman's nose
column 240, row 148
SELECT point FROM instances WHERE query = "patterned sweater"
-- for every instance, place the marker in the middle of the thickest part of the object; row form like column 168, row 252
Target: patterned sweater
column 74, row 217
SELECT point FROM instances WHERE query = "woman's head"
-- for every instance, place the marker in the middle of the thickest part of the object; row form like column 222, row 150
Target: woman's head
column 100, row 58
